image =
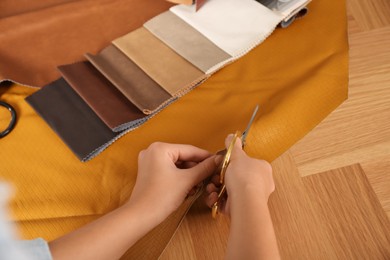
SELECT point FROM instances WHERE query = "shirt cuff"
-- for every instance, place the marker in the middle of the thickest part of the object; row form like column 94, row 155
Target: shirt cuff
column 36, row 249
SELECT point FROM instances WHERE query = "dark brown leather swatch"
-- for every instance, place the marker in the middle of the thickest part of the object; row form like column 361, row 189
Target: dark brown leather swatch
column 131, row 80
column 109, row 104
column 72, row 119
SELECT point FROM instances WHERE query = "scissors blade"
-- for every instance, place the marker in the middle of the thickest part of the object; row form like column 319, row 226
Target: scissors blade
column 245, row 133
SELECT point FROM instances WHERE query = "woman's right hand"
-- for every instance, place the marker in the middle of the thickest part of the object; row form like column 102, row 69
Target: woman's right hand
column 245, row 177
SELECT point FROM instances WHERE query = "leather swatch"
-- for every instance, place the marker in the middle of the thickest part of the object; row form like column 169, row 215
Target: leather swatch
column 55, row 33
column 116, row 111
column 133, row 82
column 231, row 33
column 162, row 64
column 186, row 41
column 71, row 118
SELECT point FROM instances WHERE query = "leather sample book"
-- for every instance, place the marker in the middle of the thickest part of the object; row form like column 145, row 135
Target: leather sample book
column 140, row 73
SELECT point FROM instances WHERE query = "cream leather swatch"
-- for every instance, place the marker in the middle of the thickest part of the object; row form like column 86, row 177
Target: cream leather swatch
column 236, row 26
column 186, row 41
column 162, row 64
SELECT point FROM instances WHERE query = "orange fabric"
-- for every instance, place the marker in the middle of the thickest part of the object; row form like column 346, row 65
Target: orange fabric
column 297, row 76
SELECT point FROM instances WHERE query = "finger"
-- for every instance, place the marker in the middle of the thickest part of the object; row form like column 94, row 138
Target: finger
column 237, row 148
column 182, row 152
column 185, row 165
column 211, row 188
column 203, row 169
column 211, row 199
column 216, row 180
column 141, row 155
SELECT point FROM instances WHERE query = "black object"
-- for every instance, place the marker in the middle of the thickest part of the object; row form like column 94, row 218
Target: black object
column 12, row 123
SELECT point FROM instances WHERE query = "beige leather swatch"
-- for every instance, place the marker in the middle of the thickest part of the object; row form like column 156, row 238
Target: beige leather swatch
column 129, row 79
column 161, row 63
column 186, row 41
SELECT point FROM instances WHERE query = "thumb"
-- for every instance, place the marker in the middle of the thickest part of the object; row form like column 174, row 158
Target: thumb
column 237, row 148
column 204, row 169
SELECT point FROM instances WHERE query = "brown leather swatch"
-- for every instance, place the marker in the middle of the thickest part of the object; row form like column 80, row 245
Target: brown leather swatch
column 162, row 64
column 71, row 118
column 34, row 43
column 106, row 101
column 186, row 41
column 133, row 82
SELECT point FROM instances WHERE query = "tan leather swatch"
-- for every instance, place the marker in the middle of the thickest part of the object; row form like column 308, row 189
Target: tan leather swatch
column 129, row 79
column 33, row 44
column 102, row 97
column 186, row 41
column 161, row 63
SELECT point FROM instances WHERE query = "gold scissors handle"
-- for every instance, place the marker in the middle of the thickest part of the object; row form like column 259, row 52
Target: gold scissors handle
column 226, row 161
column 225, row 164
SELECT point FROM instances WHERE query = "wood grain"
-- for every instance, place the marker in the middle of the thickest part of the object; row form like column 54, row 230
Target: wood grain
column 370, row 14
column 378, row 174
column 199, row 236
column 348, row 208
column 294, row 218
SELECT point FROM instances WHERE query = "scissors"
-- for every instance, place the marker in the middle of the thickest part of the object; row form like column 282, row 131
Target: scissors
column 13, row 119
column 226, row 161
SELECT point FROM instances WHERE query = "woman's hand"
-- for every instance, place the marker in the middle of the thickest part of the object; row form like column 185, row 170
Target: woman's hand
column 166, row 175
column 244, row 177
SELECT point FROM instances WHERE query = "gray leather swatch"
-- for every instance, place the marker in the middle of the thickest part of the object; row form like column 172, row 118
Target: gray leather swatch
column 128, row 78
column 72, row 119
column 106, row 101
column 186, row 41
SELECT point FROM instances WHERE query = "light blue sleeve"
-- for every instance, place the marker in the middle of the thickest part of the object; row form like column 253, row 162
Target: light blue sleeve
column 34, row 249
column 11, row 248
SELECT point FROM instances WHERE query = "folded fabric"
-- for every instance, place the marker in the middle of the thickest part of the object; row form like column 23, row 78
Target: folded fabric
column 186, row 41
column 128, row 78
column 162, row 64
column 72, row 119
column 236, row 26
column 116, row 111
column 56, row 32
